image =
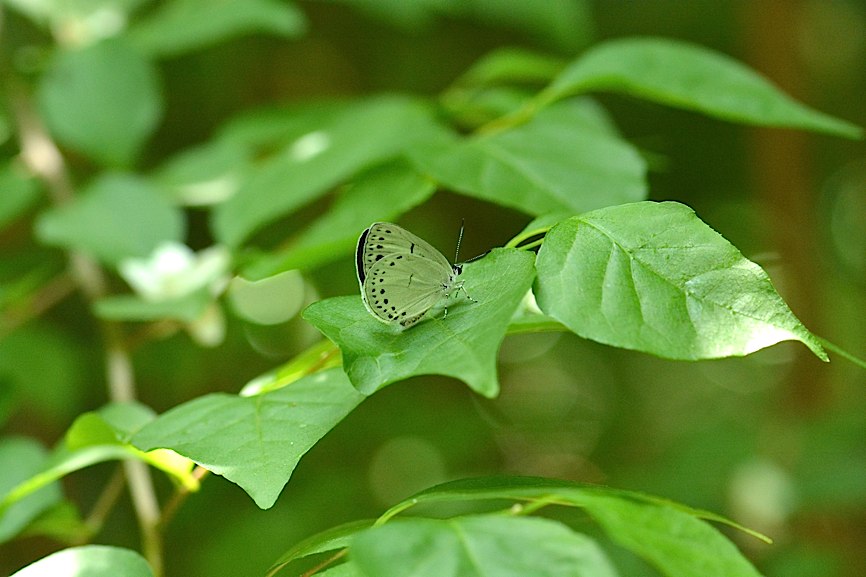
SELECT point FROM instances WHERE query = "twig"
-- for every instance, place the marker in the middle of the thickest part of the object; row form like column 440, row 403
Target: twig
column 44, row 159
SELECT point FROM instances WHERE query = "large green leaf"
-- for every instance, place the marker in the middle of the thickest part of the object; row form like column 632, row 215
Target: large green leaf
column 89, row 561
column 103, row 100
column 180, row 26
column 672, row 537
column 96, row 437
column 359, row 135
column 380, row 194
column 655, row 278
column 116, row 217
column 463, row 345
column 255, row 442
column 566, row 158
column 691, row 77
column 477, row 546
column 19, row 459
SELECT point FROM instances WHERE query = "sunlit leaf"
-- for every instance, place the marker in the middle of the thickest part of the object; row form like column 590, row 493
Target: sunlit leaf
column 462, row 345
column 653, row 277
column 255, row 442
column 89, row 561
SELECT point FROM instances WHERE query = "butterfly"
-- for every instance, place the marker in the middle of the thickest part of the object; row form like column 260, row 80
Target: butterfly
column 402, row 277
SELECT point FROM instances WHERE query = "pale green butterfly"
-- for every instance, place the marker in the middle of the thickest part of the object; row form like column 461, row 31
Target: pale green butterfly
column 402, row 277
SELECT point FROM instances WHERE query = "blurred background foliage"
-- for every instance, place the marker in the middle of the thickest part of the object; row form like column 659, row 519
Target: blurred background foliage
column 776, row 440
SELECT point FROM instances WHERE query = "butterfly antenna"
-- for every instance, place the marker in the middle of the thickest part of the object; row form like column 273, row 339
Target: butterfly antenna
column 459, row 238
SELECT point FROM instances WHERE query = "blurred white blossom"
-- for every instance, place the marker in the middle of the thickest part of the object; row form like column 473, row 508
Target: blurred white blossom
column 173, row 270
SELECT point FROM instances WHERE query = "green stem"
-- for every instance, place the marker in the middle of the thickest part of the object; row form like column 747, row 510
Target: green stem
column 842, row 353
column 44, row 160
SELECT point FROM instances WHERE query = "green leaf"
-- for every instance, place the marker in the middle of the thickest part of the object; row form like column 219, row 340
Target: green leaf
column 690, row 77
column 116, row 217
column 653, row 277
column 477, row 546
column 207, row 174
column 360, row 135
column 380, row 194
column 463, row 345
column 669, row 535
column 102, row 100
column 95, row 438
column 187, row 308
column 19, row 459
column 564, row 159
column 510, row 66
column 255, row 442
column 178, row 26
column 19, row 192
column 269, row 301
column 331, row 539
column 89, row 561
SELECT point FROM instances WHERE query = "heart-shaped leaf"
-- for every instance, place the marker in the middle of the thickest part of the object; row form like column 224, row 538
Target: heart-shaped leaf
column 653, row 277
column 462, row 345
column 255, row 442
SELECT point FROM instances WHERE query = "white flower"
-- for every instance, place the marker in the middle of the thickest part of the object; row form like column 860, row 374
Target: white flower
column 173, row 271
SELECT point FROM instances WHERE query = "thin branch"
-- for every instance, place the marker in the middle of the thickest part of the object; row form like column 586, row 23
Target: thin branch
column 44, row 159
column 48, row 295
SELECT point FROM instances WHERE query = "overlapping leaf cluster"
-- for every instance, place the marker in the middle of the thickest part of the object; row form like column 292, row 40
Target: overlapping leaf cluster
column 519, row 130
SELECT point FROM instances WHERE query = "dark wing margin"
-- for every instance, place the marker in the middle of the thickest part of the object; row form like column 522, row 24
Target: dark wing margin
column 359, row 257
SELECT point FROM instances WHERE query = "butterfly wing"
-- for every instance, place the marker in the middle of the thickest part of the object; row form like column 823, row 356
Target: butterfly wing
column 401, row 288
column 383, row 239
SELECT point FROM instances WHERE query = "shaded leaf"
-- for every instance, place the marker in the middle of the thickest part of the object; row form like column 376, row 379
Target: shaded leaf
column 89, row 561
column 477, row 546
column 185, row 25
column 463, row 345
column 186, row 308
column 19, row 192
column 102, row 100
column 255, row 442
column 653, row 277
column 331, row 539
column 360, row 135
column 116, row 217
column 564, row 159
column 19, row 459
column 380, row 194
column 691, row 77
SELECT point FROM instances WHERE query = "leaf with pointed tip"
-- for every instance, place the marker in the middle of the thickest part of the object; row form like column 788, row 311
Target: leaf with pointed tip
column 463, row 345
column 477, row 546
column 691, row 77
column 89, row 561
column 653, row 277
column 566, row 158
column 255, row 442
column 673, row 537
